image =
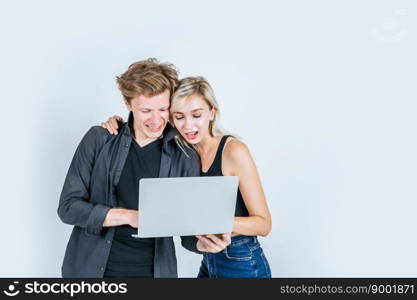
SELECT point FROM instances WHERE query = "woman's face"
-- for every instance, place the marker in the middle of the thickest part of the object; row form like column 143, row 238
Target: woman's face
column 191, row 117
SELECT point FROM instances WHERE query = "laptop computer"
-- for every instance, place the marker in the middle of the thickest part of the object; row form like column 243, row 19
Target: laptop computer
column 186, row 206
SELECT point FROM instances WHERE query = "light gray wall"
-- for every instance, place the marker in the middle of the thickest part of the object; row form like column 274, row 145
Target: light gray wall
column 323, row 92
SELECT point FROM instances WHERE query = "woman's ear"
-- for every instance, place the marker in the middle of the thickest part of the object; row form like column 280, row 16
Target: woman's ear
column 212, row 114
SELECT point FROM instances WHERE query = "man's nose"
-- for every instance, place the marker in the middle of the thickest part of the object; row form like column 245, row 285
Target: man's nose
column 155, row 116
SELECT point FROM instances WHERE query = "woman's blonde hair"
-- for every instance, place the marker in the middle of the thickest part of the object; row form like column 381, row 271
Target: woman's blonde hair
column 199, row 86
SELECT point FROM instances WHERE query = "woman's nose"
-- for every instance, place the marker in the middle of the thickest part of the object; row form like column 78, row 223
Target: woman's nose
column 188, row 123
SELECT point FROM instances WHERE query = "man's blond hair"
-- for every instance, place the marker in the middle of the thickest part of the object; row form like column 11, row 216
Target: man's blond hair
column 149, row 78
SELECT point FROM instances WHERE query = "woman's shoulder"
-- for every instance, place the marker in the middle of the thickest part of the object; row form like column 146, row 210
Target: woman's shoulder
column 235, row 150
column 237, row 159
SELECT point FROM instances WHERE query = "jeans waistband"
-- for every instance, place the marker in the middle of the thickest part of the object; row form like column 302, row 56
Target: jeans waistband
column 241, row 238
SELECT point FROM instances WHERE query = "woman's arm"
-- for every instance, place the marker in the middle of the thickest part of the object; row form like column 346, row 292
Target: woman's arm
column 237, row 161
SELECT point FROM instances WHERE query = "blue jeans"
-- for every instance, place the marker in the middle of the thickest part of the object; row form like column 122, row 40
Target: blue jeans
column 243, row 258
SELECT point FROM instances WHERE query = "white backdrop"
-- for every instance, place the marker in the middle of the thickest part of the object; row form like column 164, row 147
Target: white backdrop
column 323, row 92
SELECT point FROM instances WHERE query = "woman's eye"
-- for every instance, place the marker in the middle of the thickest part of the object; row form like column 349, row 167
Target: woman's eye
column 197, row 116
column 179, row 118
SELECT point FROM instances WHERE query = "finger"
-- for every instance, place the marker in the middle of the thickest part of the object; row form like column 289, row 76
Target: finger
column 215, row 239
column 227, row 235
column 105, row 125
column 227, row 238
column 115, row 119
column 210, row 245
column 205, row 239
column 217, row 243
column 202, row 236
column 110, row 123
column 111, row 127
column 114, row 124
column 118, row 118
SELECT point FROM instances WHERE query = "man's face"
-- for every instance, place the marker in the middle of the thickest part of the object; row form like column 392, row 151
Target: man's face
column 150, row 115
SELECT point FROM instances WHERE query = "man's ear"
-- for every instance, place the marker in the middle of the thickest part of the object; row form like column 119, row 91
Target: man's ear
column 127, row 104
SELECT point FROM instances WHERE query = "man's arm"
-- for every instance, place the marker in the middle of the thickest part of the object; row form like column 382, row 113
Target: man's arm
column 75, row 207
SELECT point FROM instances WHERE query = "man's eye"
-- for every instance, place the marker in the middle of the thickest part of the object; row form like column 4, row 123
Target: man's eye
column 145, row 111
column 164, row 109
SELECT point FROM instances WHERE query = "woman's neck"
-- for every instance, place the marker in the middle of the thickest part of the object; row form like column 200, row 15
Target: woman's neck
column 206, row 144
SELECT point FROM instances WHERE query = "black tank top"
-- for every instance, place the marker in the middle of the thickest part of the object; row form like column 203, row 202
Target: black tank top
column 216, row 170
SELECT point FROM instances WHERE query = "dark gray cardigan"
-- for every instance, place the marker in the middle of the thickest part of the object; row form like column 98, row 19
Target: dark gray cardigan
column 89, row 192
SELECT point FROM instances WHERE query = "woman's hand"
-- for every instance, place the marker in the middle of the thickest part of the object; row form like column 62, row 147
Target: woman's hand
column 111, row 124
column 213, row 243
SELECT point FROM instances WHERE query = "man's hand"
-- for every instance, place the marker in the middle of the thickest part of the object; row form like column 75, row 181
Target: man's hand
column 213, row 243
column 121, row 216
column 111, row 124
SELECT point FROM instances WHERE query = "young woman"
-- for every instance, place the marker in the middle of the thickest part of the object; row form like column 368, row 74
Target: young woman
column 193, row 112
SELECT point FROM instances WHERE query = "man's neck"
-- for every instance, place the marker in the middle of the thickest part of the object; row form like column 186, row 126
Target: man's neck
column 142, row 139
column 144, row 142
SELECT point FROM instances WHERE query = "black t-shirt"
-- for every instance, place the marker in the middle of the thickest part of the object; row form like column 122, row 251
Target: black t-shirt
column 133, row 257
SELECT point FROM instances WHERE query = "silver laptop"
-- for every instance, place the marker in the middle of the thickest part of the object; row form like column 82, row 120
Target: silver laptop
column 186, row 206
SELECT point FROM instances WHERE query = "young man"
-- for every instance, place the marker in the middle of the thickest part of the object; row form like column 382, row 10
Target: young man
column 100, row 193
